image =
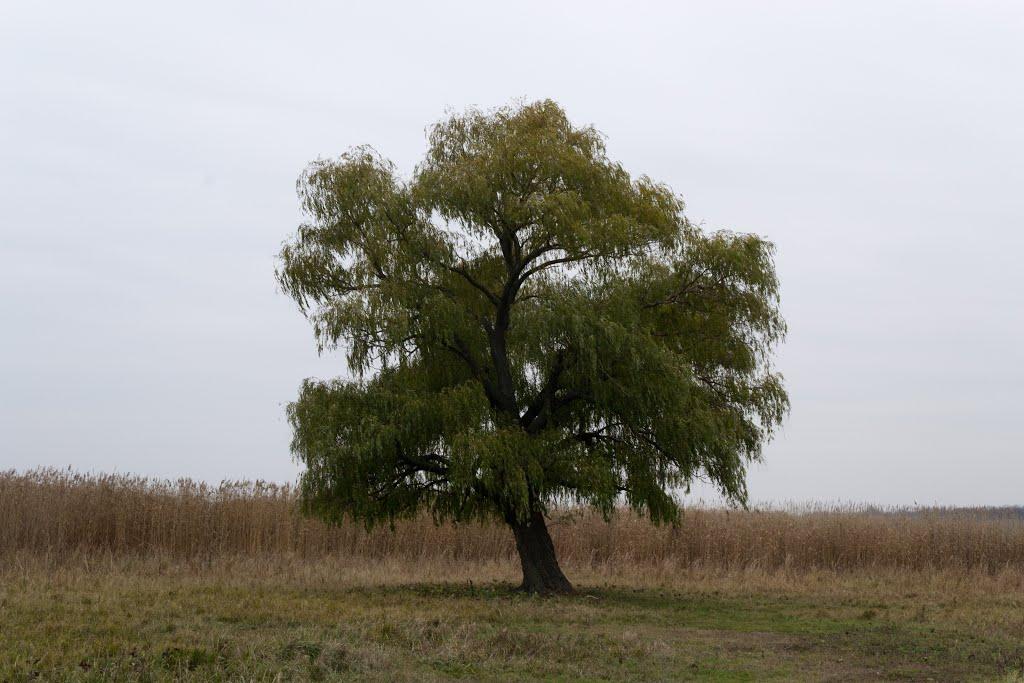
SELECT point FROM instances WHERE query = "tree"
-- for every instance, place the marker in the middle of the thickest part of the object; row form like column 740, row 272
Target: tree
column 526, row 325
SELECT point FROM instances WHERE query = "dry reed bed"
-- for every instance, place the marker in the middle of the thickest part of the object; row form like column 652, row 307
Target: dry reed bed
column 60, row 515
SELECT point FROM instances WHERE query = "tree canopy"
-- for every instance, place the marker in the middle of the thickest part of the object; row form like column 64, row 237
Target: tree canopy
column 524, row 324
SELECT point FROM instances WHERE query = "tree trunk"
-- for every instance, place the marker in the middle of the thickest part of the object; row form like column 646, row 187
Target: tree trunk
column 541, row 573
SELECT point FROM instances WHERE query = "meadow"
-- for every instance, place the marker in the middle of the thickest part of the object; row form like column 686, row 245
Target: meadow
column 112, row 577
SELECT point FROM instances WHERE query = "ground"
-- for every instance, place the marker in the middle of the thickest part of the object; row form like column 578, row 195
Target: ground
column 234, row 625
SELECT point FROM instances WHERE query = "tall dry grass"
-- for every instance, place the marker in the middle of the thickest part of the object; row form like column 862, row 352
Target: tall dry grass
column 59, row 515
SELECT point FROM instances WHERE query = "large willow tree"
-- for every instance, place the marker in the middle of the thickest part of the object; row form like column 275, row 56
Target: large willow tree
column 525, row 324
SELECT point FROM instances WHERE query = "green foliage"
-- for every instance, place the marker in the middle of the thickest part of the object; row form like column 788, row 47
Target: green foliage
column 525, row 323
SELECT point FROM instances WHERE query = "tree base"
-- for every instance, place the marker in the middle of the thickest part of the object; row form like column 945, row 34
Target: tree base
column 541, row 573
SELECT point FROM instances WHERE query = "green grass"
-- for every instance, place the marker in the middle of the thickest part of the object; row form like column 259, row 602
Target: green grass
column 201, row 628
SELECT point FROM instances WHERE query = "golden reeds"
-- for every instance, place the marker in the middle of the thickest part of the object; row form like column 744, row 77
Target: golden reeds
column 58, row 515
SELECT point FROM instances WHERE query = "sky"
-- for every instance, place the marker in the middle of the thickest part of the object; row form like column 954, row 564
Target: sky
column 148, row 162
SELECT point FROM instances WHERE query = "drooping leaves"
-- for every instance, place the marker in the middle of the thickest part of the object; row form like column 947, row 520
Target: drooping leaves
column 526, row 323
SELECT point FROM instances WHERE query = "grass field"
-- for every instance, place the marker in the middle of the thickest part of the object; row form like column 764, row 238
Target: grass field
column 121, row 579
column 325, row 621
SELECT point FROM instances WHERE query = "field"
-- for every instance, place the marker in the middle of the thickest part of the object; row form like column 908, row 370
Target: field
column 105, row 577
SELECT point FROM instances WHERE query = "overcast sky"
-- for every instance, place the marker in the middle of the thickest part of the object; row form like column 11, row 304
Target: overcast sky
column 147, row 179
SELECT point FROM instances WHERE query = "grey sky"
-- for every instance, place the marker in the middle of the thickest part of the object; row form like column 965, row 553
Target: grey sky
column 148, row 162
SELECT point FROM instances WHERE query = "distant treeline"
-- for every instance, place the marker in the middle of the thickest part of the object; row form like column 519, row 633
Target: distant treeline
column 1003, row 512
